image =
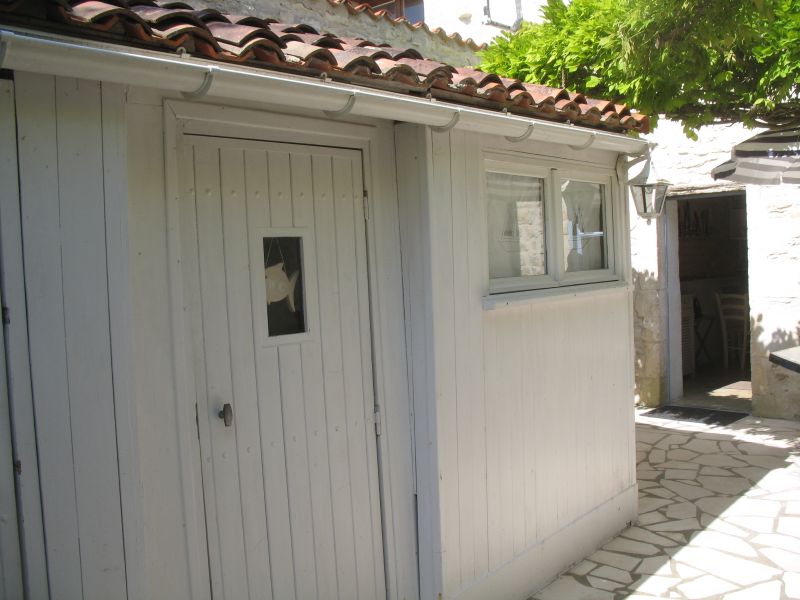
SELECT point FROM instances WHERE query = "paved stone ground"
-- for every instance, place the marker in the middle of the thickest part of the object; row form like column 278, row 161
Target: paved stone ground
column 719, row 518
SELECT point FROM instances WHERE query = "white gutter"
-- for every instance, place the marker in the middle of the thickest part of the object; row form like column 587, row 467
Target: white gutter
column 36, row 52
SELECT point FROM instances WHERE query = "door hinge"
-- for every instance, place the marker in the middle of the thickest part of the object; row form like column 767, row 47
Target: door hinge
column 366, row 206
column 378, row 427
column 6, row 316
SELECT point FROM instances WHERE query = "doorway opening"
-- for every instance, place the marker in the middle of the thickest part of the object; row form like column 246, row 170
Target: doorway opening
column 713, row 318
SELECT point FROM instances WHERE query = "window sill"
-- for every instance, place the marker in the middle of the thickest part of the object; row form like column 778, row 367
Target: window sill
column 495, row 301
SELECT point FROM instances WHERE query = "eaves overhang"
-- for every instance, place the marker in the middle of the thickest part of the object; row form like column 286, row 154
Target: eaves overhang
column 52, row 54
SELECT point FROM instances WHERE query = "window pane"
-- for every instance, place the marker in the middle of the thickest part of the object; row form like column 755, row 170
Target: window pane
column 283, row 274
column 582, row 206
column 414, row 11
column 516, row 225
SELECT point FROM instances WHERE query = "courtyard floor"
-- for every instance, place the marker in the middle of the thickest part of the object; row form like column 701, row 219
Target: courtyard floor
column 719, row 518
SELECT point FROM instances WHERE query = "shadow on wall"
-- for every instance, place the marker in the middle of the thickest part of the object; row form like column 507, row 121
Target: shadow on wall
column 649, row 338
column 776, row 390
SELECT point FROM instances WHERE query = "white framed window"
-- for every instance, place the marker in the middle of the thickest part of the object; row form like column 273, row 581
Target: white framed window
column 549, row 225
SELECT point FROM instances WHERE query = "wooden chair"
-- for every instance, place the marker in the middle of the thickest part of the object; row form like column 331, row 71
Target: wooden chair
column 734, row 319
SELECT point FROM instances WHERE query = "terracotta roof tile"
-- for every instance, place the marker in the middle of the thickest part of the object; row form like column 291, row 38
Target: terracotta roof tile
column 398, row 53
column 238, row 35
column 250, row 20
column 301, row 49
column 544, row 91
column 399, row 72
column 313, row 57
column 293, row 28
column 156, row 15
column 355, row 63
column 360, row 42
column 372, row 52
column 521, row 98
column 602, row 105
column 323, row 41
column 170, row 4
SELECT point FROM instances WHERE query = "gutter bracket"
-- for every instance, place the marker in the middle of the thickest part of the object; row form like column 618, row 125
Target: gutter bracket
column 444, row 128
column 524, row 136
column 587, row 143
column 208, row 79
column 351, row 102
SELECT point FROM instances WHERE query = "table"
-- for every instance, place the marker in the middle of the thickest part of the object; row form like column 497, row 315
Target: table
column 788, row 358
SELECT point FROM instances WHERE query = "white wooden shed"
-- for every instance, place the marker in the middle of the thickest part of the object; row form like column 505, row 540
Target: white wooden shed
column 417, row 312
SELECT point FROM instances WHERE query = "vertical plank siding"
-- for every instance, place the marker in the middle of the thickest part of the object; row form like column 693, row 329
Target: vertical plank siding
column 300, row 518
column 165, row 539
column 122, row 390
column 11, row 582
column 413, row 160
column 60, row 138
column 521, row 418
column 532, row 418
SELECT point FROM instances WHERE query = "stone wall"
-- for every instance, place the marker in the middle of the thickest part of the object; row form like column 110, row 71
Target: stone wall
column 773, row 224
column 337, row 19
column 773, row 234
column 686, row 162
column 649, row 310
column 687, row 165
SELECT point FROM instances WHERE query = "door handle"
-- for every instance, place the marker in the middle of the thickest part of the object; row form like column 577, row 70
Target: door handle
column 226, row 414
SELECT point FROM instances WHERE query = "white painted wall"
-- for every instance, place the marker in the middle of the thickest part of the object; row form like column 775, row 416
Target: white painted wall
column 521, row 466
column 64, row 232
column 773, row 228
column 683, row 161
column 523, row 424
column 469, row 19
column 105, row 429
column 11, row 579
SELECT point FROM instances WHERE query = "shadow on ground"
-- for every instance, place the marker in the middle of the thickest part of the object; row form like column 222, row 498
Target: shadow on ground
column 719, row 517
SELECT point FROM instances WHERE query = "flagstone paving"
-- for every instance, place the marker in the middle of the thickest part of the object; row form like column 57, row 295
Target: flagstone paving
column 719, row 518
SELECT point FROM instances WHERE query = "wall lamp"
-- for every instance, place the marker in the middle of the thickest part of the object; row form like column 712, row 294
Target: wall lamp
column 649, row 192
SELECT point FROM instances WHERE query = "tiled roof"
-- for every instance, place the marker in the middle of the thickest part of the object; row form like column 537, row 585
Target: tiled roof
column 175, row 26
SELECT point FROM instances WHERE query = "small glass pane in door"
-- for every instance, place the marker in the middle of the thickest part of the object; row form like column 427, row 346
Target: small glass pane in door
column 283, row 274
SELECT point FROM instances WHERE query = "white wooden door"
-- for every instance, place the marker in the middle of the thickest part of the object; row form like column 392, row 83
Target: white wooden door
column 290, row 487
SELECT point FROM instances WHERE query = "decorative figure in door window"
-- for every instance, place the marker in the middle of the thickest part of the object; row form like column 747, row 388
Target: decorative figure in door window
column 280, row 286
column 283, row 278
